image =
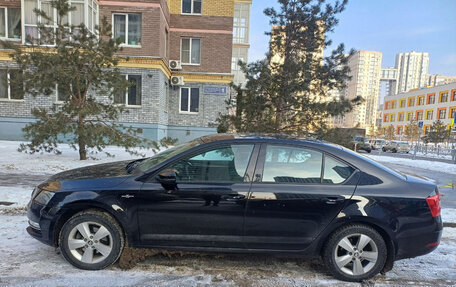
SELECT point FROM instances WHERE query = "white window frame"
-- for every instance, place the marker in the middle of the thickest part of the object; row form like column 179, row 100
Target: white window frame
column 188, row 112
column 190, row 51
column 94, row 4
column 6, row 24
column 191, row 13
column 126, row 30
column 243, row 7
column 8, row 92
column 125, row 103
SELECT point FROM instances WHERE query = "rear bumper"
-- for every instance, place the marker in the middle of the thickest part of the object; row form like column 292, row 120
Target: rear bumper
column 39, row 223
column 420, row 244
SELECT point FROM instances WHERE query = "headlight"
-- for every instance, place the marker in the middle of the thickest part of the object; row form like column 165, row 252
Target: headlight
column 35, row 192
column 43, row 197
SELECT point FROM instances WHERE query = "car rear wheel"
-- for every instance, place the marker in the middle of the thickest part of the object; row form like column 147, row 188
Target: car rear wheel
column 394, row 150
column 355, row 253
column 384, row 149
column 91, row 240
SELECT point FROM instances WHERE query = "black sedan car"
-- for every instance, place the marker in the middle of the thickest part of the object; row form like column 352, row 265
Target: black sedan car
column 232, row 193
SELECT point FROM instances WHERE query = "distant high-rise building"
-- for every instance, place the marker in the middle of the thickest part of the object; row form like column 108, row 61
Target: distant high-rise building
column 412, row 69
column 365, row 70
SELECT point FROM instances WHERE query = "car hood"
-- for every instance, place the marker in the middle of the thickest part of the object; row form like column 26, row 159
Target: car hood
column 89, row 177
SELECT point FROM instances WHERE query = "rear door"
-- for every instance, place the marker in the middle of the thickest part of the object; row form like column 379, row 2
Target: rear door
column 297, row 192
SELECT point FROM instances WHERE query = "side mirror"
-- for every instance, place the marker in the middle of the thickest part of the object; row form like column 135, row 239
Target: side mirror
column 167, row 177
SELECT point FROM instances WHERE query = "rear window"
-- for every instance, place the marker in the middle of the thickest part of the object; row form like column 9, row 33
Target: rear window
column 379, row 165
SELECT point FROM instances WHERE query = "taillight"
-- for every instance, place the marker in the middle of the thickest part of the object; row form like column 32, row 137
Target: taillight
column 434, row 204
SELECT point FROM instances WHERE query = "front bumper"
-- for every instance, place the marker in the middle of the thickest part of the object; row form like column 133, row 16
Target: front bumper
column 39, row 223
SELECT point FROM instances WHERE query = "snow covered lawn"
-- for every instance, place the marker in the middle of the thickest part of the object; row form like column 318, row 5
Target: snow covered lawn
column 12, row 161
column 27, row 262
column 424, row 164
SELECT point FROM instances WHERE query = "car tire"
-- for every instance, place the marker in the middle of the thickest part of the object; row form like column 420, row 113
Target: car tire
column 394, row 150
column 369, row 150
column 384, row 149
column 355, row 264
column 91, row 240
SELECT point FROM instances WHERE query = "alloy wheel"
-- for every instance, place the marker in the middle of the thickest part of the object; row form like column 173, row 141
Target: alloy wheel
column 90, row 242
column 356, row 254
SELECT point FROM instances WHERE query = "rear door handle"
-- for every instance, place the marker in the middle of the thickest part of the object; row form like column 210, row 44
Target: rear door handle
column 333, row 200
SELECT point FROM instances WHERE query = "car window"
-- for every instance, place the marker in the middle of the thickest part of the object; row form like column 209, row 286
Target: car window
column 336, row 171
column 291, row 164
column 222, row 164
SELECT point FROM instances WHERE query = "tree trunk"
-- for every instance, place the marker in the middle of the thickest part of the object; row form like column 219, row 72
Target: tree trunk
column 81, row 141
column 82, row 149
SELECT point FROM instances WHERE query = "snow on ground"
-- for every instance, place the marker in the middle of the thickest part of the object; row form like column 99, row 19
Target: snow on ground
column 12, row 161
column 424, row 164
column 27, row 262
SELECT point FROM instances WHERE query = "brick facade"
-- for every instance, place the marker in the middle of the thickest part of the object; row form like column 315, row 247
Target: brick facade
column 162, row 30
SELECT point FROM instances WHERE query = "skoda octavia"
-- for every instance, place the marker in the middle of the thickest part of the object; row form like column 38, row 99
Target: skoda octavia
column 233, row 193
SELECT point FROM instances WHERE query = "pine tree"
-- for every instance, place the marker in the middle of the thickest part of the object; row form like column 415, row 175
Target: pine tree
column 438, row 133
column 83, row 65
column 290, row 90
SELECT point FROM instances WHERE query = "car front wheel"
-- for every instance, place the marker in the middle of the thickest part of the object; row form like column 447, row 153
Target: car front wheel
column 91, row 240
column 355, row 253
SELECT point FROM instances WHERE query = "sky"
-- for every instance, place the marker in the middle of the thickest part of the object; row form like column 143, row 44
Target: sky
column 387, row 26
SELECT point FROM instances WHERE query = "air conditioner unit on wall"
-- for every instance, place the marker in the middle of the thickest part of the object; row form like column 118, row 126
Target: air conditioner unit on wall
column 175, row 65
column 177, row 80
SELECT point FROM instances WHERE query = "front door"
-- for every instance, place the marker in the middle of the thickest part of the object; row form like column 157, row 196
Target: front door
column 297, row 193
column 207, row 206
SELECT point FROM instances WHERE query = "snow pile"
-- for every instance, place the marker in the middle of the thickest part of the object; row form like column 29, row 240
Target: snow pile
column 424, row 164
column 13, row 161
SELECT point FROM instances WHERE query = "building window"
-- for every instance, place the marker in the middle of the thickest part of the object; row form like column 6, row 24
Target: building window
column 393, row 118
column 452, row 112
column 401, row 117
column 431, row 99
column 127, row 27
column 9, row 90
column 189, row 100
column 86, row 12
column 419, row 116
column 421, row 101
column 427, row 129
column 191, row 6
column 393, row 105
column 411, row 102
column 430, row 115
column 191, row 51
column 453, row 95
column 132, row 95
column 442, row 114
column 402, row 103
column 409, row 116
column 399, row 130
column 10, row 23
column 62, row 94
column 241, row 23
column 443, row 97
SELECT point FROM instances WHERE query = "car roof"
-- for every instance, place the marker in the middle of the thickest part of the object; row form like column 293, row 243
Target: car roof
column 283, row 138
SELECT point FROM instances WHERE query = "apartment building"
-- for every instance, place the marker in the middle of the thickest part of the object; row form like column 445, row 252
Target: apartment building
column 180, row 61
column 437, row 80
column 423, row 105
column 365, row 70
column 410, row 72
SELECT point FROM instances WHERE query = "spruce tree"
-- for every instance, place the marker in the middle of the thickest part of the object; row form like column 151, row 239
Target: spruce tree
column 438, row 133
column 290, row 90
column 81, row 65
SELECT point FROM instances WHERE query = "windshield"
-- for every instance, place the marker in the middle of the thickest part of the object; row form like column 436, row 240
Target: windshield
column 165, row 155
column 403, row 144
